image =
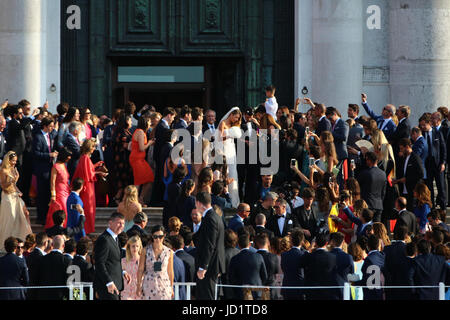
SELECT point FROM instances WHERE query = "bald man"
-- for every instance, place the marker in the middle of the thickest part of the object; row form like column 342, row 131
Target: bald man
column 53, row 271
column 405, row 217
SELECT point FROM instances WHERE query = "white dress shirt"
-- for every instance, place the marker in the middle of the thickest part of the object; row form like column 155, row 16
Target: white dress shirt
column 384, row 123
column 196, row 227
column 404, row 173
column 272, row 107
column 281, row 223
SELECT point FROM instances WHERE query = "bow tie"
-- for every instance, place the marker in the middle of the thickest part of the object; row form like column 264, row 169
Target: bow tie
column 283, row 216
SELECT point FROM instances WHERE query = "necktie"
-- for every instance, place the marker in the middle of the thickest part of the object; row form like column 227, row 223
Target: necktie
column 430, row 152
column 48, row 143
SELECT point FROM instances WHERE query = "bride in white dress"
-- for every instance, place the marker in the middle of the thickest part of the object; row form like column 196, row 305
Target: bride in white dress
column 228, row 130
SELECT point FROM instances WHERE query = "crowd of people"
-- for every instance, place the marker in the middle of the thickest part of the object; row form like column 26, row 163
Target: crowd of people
column 349, row 197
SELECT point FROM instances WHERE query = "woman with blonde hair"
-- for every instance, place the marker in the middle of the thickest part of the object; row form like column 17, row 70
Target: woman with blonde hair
column 381, row 232
column 130, row 264
column 423, row 206
column 129, row 206
column 14, row 215
column 174, row 226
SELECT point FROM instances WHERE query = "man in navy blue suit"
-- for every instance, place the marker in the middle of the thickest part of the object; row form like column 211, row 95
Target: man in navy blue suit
column 373, row 268
column 403, row 129
column 237, row 222
column 73, row 145
column 324, row 124
column 13, row 272
column 185, row 118
column 44, row 155
column 270, row 261
column 344, row 262
column 246, row 268
column 339, row 129
column 384, row 121
column 436, row 159
column 290, row 264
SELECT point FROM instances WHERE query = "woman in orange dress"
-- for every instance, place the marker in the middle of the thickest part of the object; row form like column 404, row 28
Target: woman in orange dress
column 142, row 172
column 59, row 186
column 86, row 171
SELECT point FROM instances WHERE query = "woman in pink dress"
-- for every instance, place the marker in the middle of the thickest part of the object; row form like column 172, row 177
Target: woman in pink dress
column 155, row 274
column 86, row 171
column 130, row 264
column 59, row 187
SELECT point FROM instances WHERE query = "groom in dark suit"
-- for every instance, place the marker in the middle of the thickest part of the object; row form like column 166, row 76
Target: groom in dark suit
column 108, row 280
column 210, row 259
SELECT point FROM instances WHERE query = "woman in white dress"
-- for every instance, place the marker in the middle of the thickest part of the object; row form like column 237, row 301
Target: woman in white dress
column 229, row 129
column 14, row 216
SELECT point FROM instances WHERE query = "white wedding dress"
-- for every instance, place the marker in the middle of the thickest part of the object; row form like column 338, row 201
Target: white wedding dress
column 228, row 149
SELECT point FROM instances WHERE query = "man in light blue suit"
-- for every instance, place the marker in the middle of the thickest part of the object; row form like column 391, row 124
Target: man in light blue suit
column 384, row 121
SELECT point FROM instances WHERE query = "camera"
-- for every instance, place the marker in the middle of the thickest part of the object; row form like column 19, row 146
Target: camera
column 312, row 161
column 293, row 162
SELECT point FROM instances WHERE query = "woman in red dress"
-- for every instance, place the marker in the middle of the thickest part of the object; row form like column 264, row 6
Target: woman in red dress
column 59, row 186
column 143, row 174
column 86, row 171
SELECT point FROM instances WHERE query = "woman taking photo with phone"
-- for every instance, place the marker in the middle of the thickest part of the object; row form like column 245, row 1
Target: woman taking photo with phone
column 155, row 274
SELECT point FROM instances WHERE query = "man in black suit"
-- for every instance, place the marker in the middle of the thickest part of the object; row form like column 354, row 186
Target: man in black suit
column 405, row 218
column 210, row 260
column 188, row 260
column 290, row 264
column 429, row 270
column 53, row 272
column 44, row 155
column 260, row 222
column 80, row 260
column 34, row 262
column 282, row 223
column 344, row 263
column 108, row 280
column 73, row 145
column 320, row 268
column 185, row 118
column 210, row 123
column 372, row 270
column 265, row 207
column 248, row 170
column 403, row 129
column 398, row 266
column 140, row 222
column 409, row 172
column 13, row 272
column 436, row 159
column 305, row 215
column 161, row 132
column 270, row 261
column 319, row 110
column 373, row 185
column 246, row 268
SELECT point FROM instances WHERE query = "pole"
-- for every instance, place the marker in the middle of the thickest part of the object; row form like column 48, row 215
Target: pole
column 347, row 291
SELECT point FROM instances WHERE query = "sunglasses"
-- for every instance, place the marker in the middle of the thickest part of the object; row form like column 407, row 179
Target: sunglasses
column 158, row 236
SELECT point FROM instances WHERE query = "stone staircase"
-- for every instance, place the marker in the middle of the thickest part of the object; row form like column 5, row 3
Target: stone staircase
column 101, row 219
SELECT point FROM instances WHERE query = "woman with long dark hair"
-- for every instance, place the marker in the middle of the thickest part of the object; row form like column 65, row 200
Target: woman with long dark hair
column 423, row 206
column 186, row 202
column 73, row 114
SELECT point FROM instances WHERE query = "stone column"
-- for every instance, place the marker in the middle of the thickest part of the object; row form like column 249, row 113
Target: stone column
column 24, row 47
column 420, row 54
column 337, row 52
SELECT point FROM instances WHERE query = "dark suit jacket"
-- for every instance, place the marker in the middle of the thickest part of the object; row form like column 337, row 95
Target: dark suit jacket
column 323, row 125
column 235, row 223
column 180, row 125
column 42, row 164
column 34, row 262
column 53, row 272
column 414, row 172
column 421, row 149
column 72, row 145
column 374, row 259
column 222, row 202
column 289, row 224
column 229, row 254
column 189, row 265
column 340, row 135
column 403, row 130
column 160, row 132
column 135, row 229
column 407, row 219
column 437, row 153
column 398, row 271
column 179, row 275
column 13, row 273
column 344, row 267
column 272, row 267
column 16, row 135
column 56, row 231
column 320, row 269
column 429, row 270
column 388, row 129
column 373, row 187
column 108, row 265
column 294, row 275
column 87, row 269
column 2, row 145
column 211, row 248
column 306, row 222
column 246, row 268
